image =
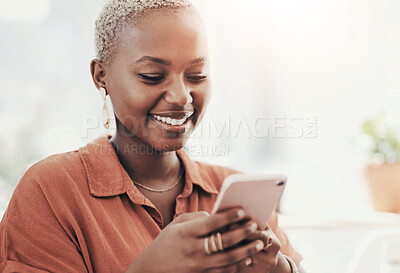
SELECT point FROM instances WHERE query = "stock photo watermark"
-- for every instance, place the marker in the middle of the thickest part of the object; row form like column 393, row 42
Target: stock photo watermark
column 213, row 135
column 230, row 128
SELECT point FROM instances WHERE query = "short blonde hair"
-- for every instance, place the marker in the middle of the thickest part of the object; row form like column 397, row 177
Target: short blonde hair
column 117, row 13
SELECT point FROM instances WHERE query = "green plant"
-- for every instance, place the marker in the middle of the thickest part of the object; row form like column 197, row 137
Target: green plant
column 385, row 143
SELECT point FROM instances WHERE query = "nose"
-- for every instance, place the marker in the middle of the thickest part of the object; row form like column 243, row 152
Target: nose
column 178, row 93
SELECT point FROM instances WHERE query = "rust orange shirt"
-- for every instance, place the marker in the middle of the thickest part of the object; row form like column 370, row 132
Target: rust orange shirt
column 80, row 212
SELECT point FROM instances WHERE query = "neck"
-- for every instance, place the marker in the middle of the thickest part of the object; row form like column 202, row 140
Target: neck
column 143, row 163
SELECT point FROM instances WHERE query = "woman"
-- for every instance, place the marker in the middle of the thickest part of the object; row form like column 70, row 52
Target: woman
column 135, row 202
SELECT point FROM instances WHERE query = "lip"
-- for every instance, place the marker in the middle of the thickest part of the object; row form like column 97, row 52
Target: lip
column 173, row 114
column 174, row 130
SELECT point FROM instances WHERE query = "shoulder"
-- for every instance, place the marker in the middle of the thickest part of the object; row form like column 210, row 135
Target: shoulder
column 40, row 215
column 52, row 178
column 50, row 189
column 54, row 169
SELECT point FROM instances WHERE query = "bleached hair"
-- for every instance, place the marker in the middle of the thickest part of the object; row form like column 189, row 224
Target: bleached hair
column 117, row 13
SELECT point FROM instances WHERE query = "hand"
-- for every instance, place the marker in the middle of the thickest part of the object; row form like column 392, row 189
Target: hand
column 269, row 260
column 180, row 246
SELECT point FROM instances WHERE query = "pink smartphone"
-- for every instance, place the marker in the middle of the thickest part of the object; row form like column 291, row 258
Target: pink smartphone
column 258, row 195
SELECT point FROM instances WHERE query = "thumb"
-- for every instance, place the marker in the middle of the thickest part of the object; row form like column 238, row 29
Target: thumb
column 190, row 216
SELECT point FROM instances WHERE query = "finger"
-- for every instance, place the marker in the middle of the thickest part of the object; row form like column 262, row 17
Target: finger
column 273, row 244
column 243, row 266
column 204, row 226
column 235, row 255
column 190, row 216
column 234, row 226
column 263, row 236
column 235, row 236
column 226, row 269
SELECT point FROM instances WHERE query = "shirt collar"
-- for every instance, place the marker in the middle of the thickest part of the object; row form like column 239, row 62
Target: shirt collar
column 196, row 174
column 107, row 177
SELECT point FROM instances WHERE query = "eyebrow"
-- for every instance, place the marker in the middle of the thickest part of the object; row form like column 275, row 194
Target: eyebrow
column 165, row 62
column 152, row 59
column 198, row 60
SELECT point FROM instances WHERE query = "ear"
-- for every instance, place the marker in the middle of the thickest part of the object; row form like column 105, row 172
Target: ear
column 98, row 71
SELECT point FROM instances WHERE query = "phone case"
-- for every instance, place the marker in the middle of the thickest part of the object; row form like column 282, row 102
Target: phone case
column 258, row 195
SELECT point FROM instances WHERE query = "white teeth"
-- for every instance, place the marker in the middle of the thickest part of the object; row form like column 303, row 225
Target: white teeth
column 171, row 121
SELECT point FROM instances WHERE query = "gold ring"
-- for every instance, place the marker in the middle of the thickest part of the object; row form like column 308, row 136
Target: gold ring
column 208, row 252
column 219, row 242
column 213, row 245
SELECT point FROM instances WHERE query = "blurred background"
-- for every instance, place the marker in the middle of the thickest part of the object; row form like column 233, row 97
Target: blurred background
column 294, row 83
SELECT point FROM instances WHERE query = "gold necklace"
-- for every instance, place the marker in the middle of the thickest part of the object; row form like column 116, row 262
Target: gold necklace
column 162, row 190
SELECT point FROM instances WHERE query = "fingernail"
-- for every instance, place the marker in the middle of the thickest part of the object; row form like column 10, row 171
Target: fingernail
column 241, row 213
column 205, row 213
column 264, row 233
column 260, row 245
column 248, row 261
column 253, row 227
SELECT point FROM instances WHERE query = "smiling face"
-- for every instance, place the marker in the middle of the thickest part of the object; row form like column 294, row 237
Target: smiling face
column 158, row 78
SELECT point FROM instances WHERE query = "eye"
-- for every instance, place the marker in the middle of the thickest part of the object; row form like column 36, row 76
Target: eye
column 152, row 78
column 196, row 78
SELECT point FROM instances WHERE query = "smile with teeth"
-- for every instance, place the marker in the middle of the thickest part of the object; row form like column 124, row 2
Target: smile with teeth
column 170, row 121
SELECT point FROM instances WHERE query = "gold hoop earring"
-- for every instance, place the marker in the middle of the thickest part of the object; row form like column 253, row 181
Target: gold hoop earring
column 105, row 114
